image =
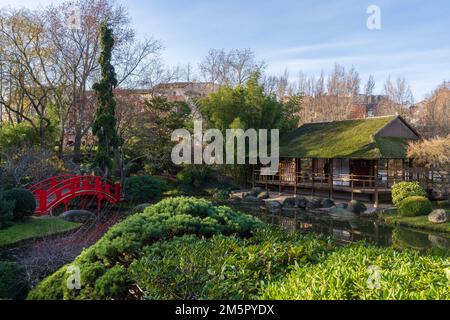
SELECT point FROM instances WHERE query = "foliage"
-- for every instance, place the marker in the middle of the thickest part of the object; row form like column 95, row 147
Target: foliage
column 34, row 228
column 104, row 126
column 126, row 241
column 402, row 190
column 6, row 212
column 23, row 135
column 24, row 203
column 13, row 281
column 432, row 153
column 222, row 194
column 194, row 174
column 222, row 267
column 350, row 273
column 139, row 189
column 415, row 206
column 148, row 134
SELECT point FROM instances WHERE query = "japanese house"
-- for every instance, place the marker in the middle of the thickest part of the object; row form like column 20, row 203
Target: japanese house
column 352, row 158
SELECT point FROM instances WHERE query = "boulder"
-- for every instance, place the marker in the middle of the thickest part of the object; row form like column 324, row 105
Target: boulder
column 78, row 216
column 251, row 199
column 438, row 216
column 301, row 202
column 255, row 191
column 314, row 204
column 327, row 203
column 342, row 206
column 140, row 208
column 290, row 203
column 273, row 205
column 263, row 195
column 356, row 206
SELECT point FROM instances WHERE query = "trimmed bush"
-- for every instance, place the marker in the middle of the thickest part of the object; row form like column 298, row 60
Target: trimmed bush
column 24, row 203
column 6, row 212
column 194, row 174
column 104, row 266
column 415, row 206
column 139, row 189
column 13, row 283
column 403, row 190
column 222, row 267
column 350, row 273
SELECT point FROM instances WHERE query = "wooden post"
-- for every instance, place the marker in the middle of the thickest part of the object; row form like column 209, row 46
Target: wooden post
column 351, row 184
column 376, row 184
column 330, row 178
column 295, row 177
column 313, row 176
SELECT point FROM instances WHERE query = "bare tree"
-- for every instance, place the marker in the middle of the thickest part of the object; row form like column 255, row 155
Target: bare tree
column 230, row 68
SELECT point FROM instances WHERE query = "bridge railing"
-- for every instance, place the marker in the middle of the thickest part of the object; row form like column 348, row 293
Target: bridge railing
column 54, row 192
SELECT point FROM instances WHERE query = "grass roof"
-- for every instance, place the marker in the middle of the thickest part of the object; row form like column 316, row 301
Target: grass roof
column 343, row 139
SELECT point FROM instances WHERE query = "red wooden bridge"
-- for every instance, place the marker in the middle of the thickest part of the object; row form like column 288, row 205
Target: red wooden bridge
column 60, row 190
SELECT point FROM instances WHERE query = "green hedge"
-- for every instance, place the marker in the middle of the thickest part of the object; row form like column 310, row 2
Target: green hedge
column 104, row 266
column 415, row 206
column 6, row 212
column 222, row 267
column 362, row 272
column 140, row 189
column 24, row 203
column 403, row 190
column 13, row 282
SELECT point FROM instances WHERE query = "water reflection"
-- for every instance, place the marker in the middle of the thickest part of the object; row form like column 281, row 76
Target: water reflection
column 348, row 228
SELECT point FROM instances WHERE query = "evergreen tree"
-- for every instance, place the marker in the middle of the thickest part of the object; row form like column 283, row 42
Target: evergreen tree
column 104, row 126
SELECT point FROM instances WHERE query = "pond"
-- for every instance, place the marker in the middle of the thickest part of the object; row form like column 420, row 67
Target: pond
column 348, row 229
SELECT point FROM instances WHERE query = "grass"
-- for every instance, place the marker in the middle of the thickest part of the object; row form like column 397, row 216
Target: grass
column 392, row 217
column 345, row 139
column 34, row 228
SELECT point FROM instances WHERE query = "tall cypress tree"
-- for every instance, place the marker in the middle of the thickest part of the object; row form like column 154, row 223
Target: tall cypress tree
column 104, row 126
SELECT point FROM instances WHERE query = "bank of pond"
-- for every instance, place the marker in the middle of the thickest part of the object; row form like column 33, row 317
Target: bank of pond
column 189, row 248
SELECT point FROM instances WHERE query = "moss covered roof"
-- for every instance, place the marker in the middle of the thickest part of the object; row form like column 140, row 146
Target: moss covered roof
column 343, row 139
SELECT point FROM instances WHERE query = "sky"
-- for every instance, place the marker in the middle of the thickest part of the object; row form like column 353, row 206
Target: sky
column 413, row 40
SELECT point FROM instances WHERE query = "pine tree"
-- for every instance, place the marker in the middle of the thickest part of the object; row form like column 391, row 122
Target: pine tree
column 104, row 126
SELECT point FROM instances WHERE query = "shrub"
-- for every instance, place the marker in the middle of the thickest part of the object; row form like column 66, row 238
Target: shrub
column 351, row 273
column 221, row 267
column 24, row 203
column 140, row 189
column 13, row 283
column 194, row 174
column 403, row 190
column 415, row 206
column 6, row 212
column 221, row 194
column 126, row 241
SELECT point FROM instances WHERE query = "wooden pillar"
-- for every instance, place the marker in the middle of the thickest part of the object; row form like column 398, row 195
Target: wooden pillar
column 295, row 176
column 351, row 185
column 330, row 178
column 313, row 176
column 375, row 183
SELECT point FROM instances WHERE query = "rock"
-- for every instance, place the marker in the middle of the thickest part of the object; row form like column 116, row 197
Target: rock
column 327, row 203
column 255, row 191
column 301, row 202
column 273, row 205
column 197, row 184
column 140, row 208
column 314, row 204
column 78, row 216
column 341, row 206
column 263, row 195
column 251, row 199
column 290, row 203
column 438, row 216
column 356, row 206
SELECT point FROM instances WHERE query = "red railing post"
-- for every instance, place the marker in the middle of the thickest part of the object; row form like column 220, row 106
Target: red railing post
column 42, row 201
column 117, row 191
